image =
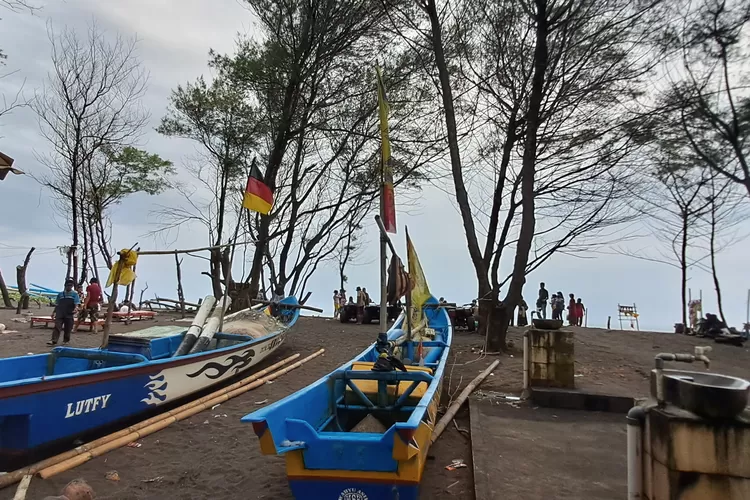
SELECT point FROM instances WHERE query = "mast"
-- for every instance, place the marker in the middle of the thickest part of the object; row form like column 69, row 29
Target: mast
column 383, row 273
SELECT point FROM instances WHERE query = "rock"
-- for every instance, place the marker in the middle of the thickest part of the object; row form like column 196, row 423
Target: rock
column 78, row 489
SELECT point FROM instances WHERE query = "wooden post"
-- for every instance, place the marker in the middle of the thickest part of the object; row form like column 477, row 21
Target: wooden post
column 23, row 301
column 140, row 299
column 112, row 304
column 4, row 291
column 180, row 294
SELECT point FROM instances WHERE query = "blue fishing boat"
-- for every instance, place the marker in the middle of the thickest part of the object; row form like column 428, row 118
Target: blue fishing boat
column 69, row 392
column 363, row 431
column 332, row 451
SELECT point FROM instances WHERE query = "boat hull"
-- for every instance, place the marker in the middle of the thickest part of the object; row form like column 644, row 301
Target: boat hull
column 352, row 490
column 38, row 412
column 325, row 461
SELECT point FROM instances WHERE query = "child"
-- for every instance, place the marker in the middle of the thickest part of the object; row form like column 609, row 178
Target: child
column 580, row 311
column 336, row 304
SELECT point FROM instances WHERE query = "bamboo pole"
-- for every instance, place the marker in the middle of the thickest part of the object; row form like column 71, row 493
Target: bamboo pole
column 161, row 424
column 14, row 477
column 191, row 250
column 451, row 412
column 288, row 306
column 23, row 488
column 176, row 302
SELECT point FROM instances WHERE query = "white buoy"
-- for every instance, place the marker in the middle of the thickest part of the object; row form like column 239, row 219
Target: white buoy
column 197, row 327
column 212, row 325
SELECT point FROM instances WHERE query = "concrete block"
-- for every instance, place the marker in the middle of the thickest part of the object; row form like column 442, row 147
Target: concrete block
column 684, row 442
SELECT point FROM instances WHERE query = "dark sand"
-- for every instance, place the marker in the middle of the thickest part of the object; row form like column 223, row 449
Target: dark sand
column 213, row 456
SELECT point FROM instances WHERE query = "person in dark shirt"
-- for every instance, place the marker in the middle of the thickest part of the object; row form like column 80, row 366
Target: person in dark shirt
column 90, row 308
column 541, row 302
column 64, row 314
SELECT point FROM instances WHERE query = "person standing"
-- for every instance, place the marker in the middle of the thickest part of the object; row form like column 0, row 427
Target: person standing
column 90, row 307
column 367, row 296
column 541, row 302
column 360, row 305
column 580, row 311
column 64, row 314
column 522, row 307
column 572, row 310
column 336, row 304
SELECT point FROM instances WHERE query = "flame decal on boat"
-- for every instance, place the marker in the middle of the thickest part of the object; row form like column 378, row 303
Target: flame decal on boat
column 157, row 388
column 236, row 363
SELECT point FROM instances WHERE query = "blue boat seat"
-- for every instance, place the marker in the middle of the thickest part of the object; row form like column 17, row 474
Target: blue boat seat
column 370, row 387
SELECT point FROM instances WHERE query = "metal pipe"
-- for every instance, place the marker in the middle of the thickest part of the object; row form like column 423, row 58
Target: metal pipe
column 635, row 419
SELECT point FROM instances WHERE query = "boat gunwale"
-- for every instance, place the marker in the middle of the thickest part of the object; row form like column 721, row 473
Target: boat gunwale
column 35, row 385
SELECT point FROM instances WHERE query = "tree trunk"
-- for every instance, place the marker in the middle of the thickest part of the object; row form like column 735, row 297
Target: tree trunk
column 462, row 196
column 683, row 267
column 528, row 170
column 215, row 268
column 260, row 246
column 714, row 272
column 23, row 301
column 4, row 291
column 180, row 294
column 69, row 264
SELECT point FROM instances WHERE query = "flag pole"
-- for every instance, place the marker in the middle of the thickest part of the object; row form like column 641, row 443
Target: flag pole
column 408, row 294
column 384, row 240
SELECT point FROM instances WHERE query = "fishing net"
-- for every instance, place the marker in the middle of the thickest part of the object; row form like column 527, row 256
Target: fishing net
column 253, row 323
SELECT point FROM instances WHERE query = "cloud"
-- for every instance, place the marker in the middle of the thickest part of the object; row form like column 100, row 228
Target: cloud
column 175, row 37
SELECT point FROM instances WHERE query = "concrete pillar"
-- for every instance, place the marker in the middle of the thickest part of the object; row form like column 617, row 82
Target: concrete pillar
column 552, row 358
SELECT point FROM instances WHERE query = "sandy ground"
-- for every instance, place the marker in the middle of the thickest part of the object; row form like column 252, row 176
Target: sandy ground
column 212, row 455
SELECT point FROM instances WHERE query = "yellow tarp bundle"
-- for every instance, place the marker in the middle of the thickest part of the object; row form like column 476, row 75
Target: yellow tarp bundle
column 125, row 265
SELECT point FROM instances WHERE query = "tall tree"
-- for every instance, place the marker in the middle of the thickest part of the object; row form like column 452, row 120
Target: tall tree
column 321, row 149
column 316, row 54
column 707, row 101
column 217, row 116
column 91, row 100
column 548, row 77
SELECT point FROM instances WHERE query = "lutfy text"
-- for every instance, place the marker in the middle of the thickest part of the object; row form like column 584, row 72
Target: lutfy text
column 87, row 405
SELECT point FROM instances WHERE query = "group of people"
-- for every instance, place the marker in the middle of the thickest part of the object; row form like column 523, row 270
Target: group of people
column 340, row 301
column 69, row 311
column 576, row 309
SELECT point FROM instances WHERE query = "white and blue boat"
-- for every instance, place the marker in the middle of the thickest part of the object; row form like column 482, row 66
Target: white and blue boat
column 70, row 392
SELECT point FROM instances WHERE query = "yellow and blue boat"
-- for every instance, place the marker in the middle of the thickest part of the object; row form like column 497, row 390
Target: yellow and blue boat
column 363, row 431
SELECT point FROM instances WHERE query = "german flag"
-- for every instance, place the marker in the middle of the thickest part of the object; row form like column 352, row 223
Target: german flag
column 258, row 196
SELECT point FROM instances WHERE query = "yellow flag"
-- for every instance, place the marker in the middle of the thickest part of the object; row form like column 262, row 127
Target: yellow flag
column 420, row 292
column 127, row 261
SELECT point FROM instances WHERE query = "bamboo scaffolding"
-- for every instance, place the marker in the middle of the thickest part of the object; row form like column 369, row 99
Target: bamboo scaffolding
column 453, row 409
column 14, row 477
column 161, row 424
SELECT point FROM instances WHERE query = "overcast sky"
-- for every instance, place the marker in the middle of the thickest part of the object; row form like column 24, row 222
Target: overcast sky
column 175, row 37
